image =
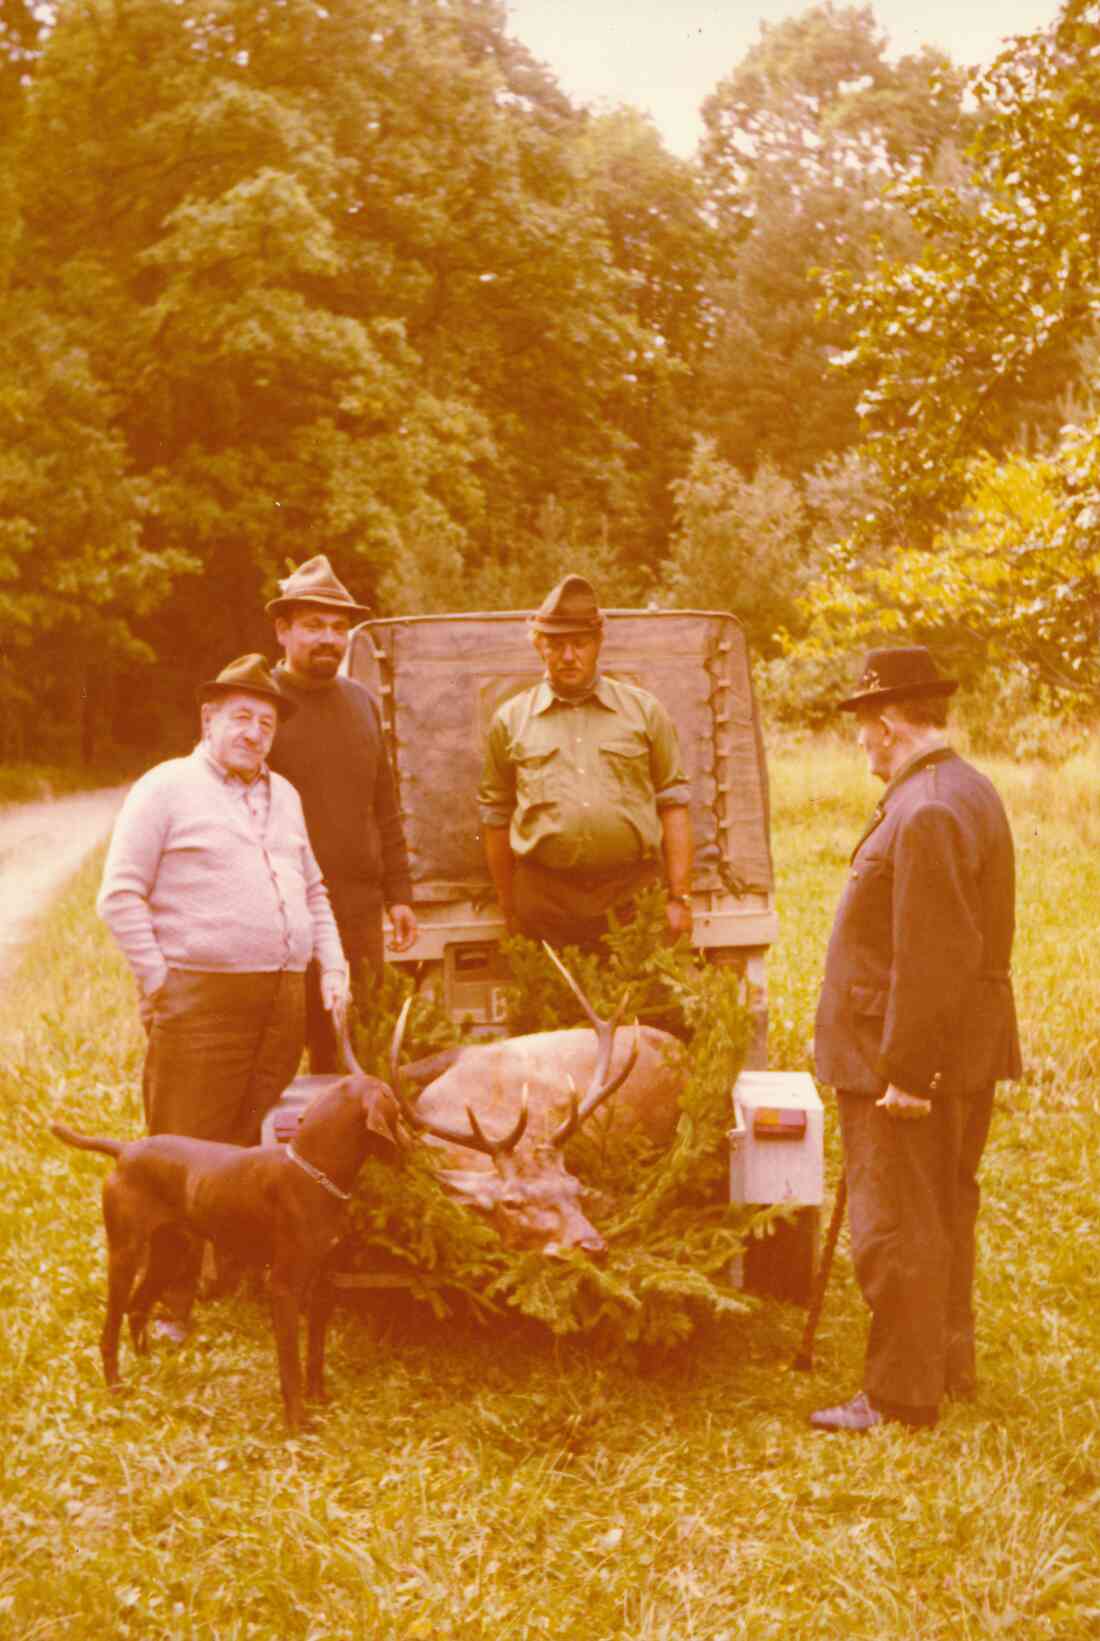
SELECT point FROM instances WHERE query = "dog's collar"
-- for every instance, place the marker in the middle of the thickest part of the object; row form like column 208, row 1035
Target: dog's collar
column 315, row 1173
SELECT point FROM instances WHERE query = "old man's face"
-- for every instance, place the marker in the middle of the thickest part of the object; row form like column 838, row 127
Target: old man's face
column 877, row 740
column 238, row 729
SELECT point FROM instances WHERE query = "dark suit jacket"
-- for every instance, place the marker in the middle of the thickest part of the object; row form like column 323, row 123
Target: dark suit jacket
column 917, row 989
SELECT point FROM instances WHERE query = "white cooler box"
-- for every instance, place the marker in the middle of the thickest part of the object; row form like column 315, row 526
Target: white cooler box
column 777, row 1154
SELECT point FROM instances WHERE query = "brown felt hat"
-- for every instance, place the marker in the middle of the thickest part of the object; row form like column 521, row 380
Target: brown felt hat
column 315, row 582
column 897, row 675
column 570, row 607
column 248, row 675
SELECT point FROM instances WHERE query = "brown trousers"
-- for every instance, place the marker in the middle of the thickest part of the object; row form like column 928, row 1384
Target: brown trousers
column 222, row 1047
column 570, row 908
column 365, row 953
column 913, row 1199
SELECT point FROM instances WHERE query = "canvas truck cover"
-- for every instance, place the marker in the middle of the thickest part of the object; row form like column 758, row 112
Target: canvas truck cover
column 440, row 679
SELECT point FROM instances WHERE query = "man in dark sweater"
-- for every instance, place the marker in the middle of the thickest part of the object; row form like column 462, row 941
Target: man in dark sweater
column 333, row 751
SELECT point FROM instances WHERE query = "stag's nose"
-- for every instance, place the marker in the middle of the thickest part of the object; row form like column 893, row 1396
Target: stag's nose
column 594, row 1246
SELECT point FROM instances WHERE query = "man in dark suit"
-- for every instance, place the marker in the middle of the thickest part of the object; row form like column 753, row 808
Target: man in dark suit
column 915, row 1025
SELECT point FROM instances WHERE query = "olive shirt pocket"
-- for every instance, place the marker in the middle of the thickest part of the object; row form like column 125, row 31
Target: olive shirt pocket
column 628, row 763
column 534, row 778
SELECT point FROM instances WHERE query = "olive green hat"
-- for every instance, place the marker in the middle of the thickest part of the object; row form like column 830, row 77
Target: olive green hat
column 570, row 607
column 248, row 675
column 315, row 582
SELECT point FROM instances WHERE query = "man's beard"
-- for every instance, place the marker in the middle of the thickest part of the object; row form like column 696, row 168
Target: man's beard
column 324, row 662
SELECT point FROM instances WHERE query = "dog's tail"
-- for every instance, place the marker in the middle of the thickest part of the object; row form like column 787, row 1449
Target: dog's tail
column 86, row 1142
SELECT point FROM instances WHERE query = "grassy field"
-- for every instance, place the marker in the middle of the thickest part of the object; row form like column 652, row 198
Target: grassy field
column 499, row 1485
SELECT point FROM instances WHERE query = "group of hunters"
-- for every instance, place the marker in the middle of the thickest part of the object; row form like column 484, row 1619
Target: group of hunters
column 246, row 885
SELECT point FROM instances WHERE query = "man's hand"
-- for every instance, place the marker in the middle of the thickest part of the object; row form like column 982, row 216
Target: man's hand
column 679, row 919
column 906, row 1107
column 334, row 992
column 403, row 921
column 147, row 1006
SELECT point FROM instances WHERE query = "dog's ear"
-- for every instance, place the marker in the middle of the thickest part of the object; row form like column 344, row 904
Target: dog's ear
column 380, row 1110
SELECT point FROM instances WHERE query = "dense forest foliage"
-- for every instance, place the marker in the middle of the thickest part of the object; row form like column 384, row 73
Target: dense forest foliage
column 280, row 278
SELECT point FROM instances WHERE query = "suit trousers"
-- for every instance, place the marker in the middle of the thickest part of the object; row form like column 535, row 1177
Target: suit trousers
column 913, row 1199
column 222, row 1047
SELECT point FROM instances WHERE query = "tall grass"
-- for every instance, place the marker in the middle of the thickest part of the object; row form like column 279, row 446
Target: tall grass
column 496, row 1485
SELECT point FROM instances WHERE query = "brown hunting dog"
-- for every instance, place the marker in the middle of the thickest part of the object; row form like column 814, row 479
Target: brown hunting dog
column 261, row 1204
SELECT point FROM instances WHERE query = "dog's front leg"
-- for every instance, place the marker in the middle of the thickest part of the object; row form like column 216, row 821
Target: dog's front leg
column 322, row 1303
column 286, row 1295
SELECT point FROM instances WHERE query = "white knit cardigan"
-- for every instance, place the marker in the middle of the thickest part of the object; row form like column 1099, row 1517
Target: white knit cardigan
column 190, row 884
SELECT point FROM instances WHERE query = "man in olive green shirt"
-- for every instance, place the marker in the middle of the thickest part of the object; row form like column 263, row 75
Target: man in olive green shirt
column 583, row 799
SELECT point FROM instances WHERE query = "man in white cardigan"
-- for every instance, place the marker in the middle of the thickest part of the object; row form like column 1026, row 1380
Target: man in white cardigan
column 213, row 893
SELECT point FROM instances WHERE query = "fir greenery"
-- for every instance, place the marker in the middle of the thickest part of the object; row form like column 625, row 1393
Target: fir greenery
column 671, row 1233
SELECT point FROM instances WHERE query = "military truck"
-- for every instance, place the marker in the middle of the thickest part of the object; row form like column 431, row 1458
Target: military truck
column 440, row 678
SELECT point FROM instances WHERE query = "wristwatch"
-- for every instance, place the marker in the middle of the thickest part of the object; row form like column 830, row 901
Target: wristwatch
column 685, row 900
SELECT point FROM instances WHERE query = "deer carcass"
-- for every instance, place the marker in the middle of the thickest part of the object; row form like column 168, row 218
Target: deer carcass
column 514, row 1103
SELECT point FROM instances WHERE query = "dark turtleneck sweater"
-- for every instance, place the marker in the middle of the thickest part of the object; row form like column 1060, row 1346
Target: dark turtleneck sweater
column 333, row 751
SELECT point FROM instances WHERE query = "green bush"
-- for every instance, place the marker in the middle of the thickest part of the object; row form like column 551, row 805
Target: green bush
column 1000, row 711
column 1010, row 713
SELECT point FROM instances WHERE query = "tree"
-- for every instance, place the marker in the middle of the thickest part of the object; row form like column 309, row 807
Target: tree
column 74, row 574
column 1014, row 579
column 975, row 352
column 651, row 206
column 342, row 280
column 470, row 221
column 802, row 140
column 21, row 29
column 737, row 545
column 963, row 344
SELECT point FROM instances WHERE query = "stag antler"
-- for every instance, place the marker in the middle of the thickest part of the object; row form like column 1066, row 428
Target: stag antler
column 599, row 1088
column 598, row 1025
column 476, row 1139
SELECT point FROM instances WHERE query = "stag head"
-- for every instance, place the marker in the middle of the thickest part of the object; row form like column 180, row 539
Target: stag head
column 530, row 1194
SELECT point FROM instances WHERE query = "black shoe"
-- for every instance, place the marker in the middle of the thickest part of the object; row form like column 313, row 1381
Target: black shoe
column 858, row 1414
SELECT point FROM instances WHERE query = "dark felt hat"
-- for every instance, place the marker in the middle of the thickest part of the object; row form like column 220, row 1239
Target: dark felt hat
column 897, row 675
column 570, row 607
column 250, row 675
column 315, row 582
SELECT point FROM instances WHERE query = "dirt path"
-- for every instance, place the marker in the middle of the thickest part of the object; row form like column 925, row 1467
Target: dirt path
column 41, row 846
